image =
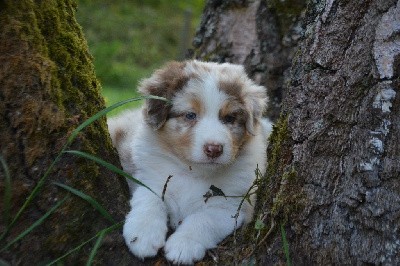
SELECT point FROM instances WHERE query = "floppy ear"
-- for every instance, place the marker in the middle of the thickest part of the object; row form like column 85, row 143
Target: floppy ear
column 165, row 82
column 256, row 99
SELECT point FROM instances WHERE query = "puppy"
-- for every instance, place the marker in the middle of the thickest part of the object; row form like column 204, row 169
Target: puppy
column 210, row 133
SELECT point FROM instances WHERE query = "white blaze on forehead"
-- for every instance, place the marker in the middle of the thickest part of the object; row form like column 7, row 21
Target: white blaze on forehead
column 204, row 89
column 210, row 95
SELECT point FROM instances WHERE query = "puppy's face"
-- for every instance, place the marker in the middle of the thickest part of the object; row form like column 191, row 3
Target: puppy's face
column 214, row 110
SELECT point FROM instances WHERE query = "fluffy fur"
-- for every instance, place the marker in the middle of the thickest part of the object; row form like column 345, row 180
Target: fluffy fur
column 210, row 133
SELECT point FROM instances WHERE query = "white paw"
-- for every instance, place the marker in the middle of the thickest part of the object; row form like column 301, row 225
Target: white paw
column 181, row 249
column 144, row 237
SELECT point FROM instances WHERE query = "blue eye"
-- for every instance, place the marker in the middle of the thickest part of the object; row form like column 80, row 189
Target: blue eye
column 191, row 116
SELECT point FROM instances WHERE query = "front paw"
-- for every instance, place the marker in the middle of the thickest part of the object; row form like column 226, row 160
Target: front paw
column 143, row 237
column 181, row 249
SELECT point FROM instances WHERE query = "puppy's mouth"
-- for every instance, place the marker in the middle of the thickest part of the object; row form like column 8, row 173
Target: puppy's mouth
column 207, row 166
column 211, row 163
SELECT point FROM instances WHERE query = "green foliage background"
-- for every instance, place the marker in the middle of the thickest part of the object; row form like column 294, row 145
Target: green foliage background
column 129, row 39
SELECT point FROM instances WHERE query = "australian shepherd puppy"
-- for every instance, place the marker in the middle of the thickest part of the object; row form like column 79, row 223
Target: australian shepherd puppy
column 210, row 134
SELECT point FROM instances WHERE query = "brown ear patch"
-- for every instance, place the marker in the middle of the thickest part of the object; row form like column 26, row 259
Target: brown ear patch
column 165, row 82
column 232, row 88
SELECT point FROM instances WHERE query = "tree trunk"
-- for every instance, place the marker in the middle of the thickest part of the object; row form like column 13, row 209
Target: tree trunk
column 332, row 186
column 48, row 88
column 342, row 143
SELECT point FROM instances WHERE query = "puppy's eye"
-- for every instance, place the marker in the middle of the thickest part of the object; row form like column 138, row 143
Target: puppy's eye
column 191, row 116
column 229, row 119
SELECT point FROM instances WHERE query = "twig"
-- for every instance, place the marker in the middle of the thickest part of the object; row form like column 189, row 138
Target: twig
column 165, row 187
column 271, row 228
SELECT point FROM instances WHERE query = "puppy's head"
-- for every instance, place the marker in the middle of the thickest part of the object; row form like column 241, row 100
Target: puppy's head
column 214, row 110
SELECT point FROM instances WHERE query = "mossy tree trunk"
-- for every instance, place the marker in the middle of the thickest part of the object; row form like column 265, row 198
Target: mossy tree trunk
column 332, row 185
column 48, row 88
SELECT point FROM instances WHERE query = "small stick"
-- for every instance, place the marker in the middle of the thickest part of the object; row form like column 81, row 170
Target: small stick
column 268, row 233
column 165, row 187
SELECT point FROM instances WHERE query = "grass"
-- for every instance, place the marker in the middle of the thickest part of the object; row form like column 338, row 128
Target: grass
column 7, row 190
column 114, row 95
column 100, row 235
column 285, row 244
column 34, row 225
column 130, row 39
column 88, row 199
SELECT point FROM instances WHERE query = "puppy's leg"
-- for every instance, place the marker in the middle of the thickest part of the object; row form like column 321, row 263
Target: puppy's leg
column 199, row 232
column 145, row 226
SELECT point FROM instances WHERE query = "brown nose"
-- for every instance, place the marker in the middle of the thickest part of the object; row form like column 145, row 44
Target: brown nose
column 213, row 150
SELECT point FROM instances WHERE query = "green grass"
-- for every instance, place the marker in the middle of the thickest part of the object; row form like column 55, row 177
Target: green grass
column 114, row 95
column 130, row 39
column 285, row 244
column 4, row 245
column 7, row 190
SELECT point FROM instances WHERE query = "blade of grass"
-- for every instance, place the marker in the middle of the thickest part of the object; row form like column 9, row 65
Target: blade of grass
column 285, row 246
column 33, row 194
column 104, row 231
column 107, row 110
column 7, row 190
column 73, row 135
column 109, row 166
column 88, row 199
column 35, row 224
column 95, row 248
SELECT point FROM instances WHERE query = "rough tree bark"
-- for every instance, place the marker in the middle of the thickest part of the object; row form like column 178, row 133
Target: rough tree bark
column 342, row 145
column 334, row 158
column 47, row 88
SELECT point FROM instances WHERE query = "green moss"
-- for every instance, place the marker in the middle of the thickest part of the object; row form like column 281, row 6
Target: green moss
column 279, row 195
column 49, row 87
column 289, row 198
column 69, row 51
column 277, row 140
column 75, row 76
